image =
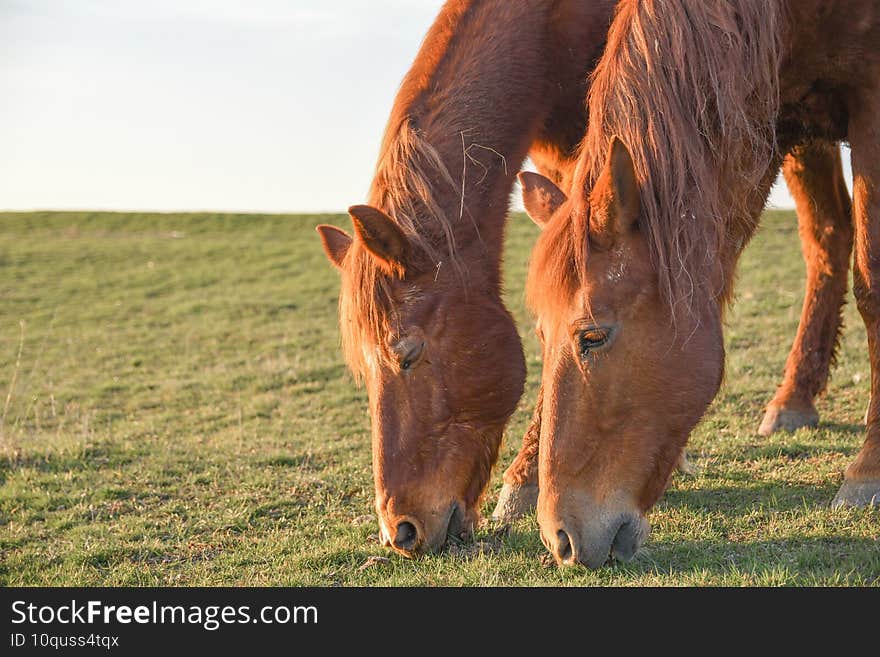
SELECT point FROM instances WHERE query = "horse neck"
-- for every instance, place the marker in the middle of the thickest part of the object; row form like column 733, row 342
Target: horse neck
column 476, row 97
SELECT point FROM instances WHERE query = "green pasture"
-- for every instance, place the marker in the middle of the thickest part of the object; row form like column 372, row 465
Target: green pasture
column 174, row 410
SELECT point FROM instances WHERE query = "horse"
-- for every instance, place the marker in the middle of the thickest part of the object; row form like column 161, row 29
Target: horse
column 421, row 317
column 693, row 107
column 467, row 62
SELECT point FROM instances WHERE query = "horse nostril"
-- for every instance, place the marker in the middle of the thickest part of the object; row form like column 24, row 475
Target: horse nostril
column 405, row 538
column 563, row 546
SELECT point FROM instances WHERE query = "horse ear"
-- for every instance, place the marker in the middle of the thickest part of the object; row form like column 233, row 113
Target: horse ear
column 336, row 243
column 541, row 197
column 616, row 198
column 382, row 238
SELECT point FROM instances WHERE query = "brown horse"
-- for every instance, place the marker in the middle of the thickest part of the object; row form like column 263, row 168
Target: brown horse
column 420, row 309
column 692, row 107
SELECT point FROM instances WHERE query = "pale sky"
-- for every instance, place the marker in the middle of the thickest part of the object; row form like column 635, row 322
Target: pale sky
column 264, row 106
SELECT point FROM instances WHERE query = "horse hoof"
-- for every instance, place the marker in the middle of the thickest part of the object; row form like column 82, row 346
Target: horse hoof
column 783, row 419
column 685, row 467
column 857, row 493
column 515, row 501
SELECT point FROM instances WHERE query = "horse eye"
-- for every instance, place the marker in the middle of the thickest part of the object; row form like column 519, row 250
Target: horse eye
column 412, row 357
column 591, row 339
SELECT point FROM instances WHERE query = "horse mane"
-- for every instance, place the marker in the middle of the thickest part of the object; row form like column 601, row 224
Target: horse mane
column 405, row 187
column 692, row 89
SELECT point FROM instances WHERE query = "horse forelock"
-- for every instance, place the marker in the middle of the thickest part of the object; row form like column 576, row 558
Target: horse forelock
column 405, row 188
column 558, row 266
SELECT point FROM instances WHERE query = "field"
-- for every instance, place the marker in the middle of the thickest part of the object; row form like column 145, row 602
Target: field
column 175, row 411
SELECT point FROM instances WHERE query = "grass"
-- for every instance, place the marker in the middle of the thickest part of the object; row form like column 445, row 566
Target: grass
column 175, row 411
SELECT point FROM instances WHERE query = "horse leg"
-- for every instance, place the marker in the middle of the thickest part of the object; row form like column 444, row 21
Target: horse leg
column 519, row 496
column 861, row 485
column 814, row 174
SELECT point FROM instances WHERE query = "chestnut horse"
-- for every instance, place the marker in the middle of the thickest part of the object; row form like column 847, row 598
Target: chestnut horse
column 432, row 446
column 692, row 107
column 420, row 309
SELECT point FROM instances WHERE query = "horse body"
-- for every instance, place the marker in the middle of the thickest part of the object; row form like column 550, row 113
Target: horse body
column 693, row 106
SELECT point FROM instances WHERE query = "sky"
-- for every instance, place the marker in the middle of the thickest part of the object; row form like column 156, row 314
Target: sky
column 174, row 105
